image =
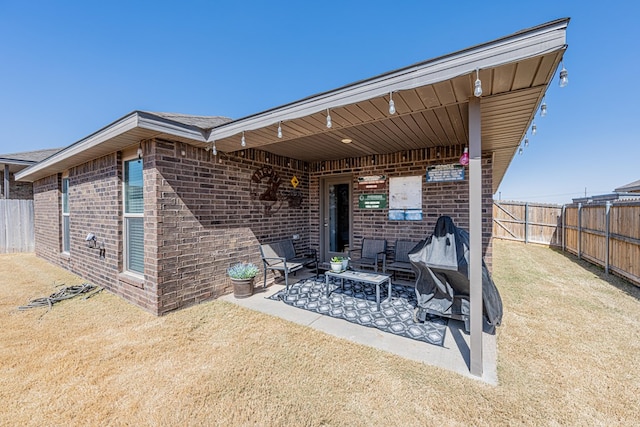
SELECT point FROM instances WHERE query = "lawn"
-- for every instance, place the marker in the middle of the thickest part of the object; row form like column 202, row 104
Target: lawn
column 568, row 354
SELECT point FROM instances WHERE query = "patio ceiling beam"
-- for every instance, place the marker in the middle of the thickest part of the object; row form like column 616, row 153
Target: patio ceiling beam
column 526, row 44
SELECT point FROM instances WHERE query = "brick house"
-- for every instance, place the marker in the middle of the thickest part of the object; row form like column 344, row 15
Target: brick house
column 12, row 163
column 174, row 200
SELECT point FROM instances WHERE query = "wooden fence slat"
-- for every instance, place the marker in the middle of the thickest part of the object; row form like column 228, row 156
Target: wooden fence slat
column 16, row 226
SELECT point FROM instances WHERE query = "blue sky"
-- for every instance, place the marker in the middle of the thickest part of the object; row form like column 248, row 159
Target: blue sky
column 68, row 68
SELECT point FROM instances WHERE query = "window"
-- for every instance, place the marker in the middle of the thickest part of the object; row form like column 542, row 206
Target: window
column 133, row 217
column 66, row 241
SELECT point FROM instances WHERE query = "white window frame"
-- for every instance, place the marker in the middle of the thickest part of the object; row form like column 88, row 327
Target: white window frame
column 65, row 215
column 126, row 216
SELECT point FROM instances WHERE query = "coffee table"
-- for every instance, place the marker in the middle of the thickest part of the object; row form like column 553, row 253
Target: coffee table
column 361, row 276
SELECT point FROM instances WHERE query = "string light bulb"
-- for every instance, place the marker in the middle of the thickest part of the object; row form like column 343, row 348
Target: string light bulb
column 213, row 148
column 526, row 142
column 564, row 76
column 329, row 124
column 280, row 130
column 464, row 159
column 520, row 150
column 140, row 152
column 243, row 142
column 534, row 129
column 477, row 91
column 392, row 105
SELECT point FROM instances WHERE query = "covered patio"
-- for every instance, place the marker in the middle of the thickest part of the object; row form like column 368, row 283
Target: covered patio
column 484, row 98
column 454, row 355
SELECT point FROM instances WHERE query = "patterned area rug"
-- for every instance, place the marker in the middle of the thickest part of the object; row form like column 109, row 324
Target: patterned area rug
column 357, row 304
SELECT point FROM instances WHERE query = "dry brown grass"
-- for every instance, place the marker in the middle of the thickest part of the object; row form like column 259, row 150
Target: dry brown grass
column 568, row 348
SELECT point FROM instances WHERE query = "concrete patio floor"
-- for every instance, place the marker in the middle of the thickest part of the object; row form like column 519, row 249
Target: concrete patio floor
column 453, row 355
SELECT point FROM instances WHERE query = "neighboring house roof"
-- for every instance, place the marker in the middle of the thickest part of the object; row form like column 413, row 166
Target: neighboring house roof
column 432, row 101
column 633, row 187
column 19, row 161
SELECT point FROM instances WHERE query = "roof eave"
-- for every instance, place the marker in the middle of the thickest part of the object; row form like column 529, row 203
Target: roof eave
column 136, row 119
column 524, row 44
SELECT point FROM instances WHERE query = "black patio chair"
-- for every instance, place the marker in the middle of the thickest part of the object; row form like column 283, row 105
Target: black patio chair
column 401, row 262
column 281, row 256
column 369, row 255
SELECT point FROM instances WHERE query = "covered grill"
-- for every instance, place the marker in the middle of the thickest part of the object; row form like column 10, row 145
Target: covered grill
column 442, row 286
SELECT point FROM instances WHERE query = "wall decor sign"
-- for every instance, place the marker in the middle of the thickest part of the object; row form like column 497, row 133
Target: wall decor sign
column 405, row 194
column 372, row 201
column 405, row 214
column 372, row 182
column 266, row 190
column 445, row 173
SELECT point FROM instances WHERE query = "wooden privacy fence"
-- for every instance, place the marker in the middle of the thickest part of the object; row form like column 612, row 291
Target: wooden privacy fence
column 528, row 222
column 16, row 226
column 606, row 234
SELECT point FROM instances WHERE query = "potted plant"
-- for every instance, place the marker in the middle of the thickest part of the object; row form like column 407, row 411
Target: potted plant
column 339, row 264
column 242, row 276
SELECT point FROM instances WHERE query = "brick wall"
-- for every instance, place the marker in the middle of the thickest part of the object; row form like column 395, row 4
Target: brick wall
column 17, row 190
column 208, row 217
column 203, row 213
column 447, row 198
column 95, row 206
column 47, row 218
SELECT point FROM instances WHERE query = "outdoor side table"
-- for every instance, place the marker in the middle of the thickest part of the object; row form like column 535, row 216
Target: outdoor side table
column 361, row 276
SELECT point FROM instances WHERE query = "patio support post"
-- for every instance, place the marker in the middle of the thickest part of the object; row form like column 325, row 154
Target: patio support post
column 475, row 237
column 6, row 181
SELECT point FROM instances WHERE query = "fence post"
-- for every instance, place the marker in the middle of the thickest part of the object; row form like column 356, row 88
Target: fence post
column 564, row 218
column 526, row 223
column 608, row 236
column 579, row 230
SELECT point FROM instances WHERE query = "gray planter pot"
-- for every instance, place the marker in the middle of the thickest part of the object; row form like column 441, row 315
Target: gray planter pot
column 242, row 288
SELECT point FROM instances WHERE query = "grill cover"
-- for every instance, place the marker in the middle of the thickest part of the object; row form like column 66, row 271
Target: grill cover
column 442, row 284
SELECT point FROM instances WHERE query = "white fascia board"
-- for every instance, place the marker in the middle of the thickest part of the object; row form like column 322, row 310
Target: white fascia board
column 117, row 128
column 131, row 121
column 7, row 161
column 541, row 40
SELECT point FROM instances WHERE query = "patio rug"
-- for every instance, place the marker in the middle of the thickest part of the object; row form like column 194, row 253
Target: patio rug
column 357, row 304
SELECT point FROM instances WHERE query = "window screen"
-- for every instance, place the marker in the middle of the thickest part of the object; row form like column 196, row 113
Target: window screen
column 133, row 216
column 66, row 241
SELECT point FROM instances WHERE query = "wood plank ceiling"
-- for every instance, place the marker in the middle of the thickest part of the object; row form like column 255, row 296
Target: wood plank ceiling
column 435, row 115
